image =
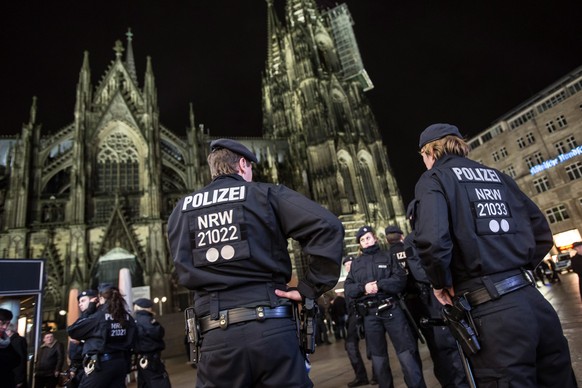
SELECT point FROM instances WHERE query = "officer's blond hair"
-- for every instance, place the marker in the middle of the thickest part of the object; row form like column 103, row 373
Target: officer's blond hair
column 448, row 145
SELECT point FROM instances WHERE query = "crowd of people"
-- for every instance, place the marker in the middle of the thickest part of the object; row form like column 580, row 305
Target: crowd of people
column 462, row 282
column 106, row 343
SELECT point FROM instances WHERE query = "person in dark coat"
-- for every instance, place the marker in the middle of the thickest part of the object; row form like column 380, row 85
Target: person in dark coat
column 50, row 361
column 479, row 237
column 87, row 305
column 374, row 282
column 338, row 311
column 421, row 302
column 149, row 343
column 352, row 343
column 108, row 334
column 229, row 243
column 9, row 357
column 576, row 263
column 19, row 344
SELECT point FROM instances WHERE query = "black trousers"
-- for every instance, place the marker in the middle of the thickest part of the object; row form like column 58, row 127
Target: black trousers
column 522, row 343
column 154, row 375
column 352, row 346
column 109, row 374
column 447, row 364
column 393, row 322
column 253, row 354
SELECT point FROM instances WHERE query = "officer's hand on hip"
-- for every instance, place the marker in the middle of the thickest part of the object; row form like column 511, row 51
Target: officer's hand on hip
column 293, row 295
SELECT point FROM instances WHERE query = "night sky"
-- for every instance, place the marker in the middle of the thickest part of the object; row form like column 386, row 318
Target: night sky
column 462, row 62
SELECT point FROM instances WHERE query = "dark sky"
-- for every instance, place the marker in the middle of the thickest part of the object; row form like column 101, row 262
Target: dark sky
column 463, row 62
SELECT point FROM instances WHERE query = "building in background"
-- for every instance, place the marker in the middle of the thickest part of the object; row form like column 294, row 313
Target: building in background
column 539, row 144
column 94, row 196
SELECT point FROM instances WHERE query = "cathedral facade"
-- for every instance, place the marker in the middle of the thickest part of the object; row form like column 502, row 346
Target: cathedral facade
column 95, row 195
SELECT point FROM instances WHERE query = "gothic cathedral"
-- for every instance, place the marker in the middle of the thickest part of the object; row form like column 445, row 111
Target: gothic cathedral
column 95, row 195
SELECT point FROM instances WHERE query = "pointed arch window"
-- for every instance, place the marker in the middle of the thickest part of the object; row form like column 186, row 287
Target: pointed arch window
column 347, row 180
column 367, row 182
column 117, row 165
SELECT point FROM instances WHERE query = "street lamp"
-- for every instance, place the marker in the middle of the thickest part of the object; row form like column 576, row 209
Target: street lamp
column 160, row 302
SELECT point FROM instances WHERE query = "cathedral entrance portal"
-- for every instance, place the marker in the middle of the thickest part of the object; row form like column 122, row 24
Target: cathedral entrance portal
column 108, row 266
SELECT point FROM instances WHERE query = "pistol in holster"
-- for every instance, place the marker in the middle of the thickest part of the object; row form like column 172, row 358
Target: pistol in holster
column 459, row 320
column 193, row 335
column 306, row 325
column 91, row 363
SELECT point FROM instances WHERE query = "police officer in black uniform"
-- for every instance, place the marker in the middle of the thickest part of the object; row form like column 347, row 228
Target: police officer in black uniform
column 149, row 343
column 88, row 305
column 374, row 281
column 108, row 335
column 477, row 235
column 352, row 343
column 229, row 244
column 421, row 303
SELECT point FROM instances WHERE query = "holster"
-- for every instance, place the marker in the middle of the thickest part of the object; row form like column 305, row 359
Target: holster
column 306, row 325
column 91, row 363
column 193, row 334
column 458, row 319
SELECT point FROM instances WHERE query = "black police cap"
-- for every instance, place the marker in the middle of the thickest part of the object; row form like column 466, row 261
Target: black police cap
column 363, row 230
column 577, row 244
column 104, row 287
column 393, row 229
column 437, row 131
column 235, row 147
column 89, row 293
column 144, row 303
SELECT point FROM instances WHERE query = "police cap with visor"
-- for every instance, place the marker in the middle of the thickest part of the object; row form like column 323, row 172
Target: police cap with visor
column 233, row 146
column 89, row 293
column 437, row 131
column 144, row 303
column 363, row 230
column 393, row 229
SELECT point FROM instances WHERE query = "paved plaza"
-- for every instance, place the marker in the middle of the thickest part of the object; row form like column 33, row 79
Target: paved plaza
column 331, row 368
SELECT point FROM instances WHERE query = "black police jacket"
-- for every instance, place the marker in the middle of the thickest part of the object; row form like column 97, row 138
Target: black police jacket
column 229, row 242
column 150, row 334
column 374, row 265
column 102, row 334
column 472, row 220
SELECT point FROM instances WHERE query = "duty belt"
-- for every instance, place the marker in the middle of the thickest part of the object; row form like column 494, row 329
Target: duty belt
column 244, row 314
column 378, row 302
column 502, row 287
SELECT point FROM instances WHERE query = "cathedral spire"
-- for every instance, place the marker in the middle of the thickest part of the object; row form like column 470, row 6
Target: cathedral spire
column 274, row 57
column 149, row 83
column 191, row 116
column 129, row 60
column 33, row 109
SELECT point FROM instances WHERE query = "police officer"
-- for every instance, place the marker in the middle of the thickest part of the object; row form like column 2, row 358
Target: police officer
column 476, row 234
column 421, row 303
column 229, row 244
column 151, row 372
column 374, row 281
column 88, row 305
column 108, row 335
column 352, row 343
